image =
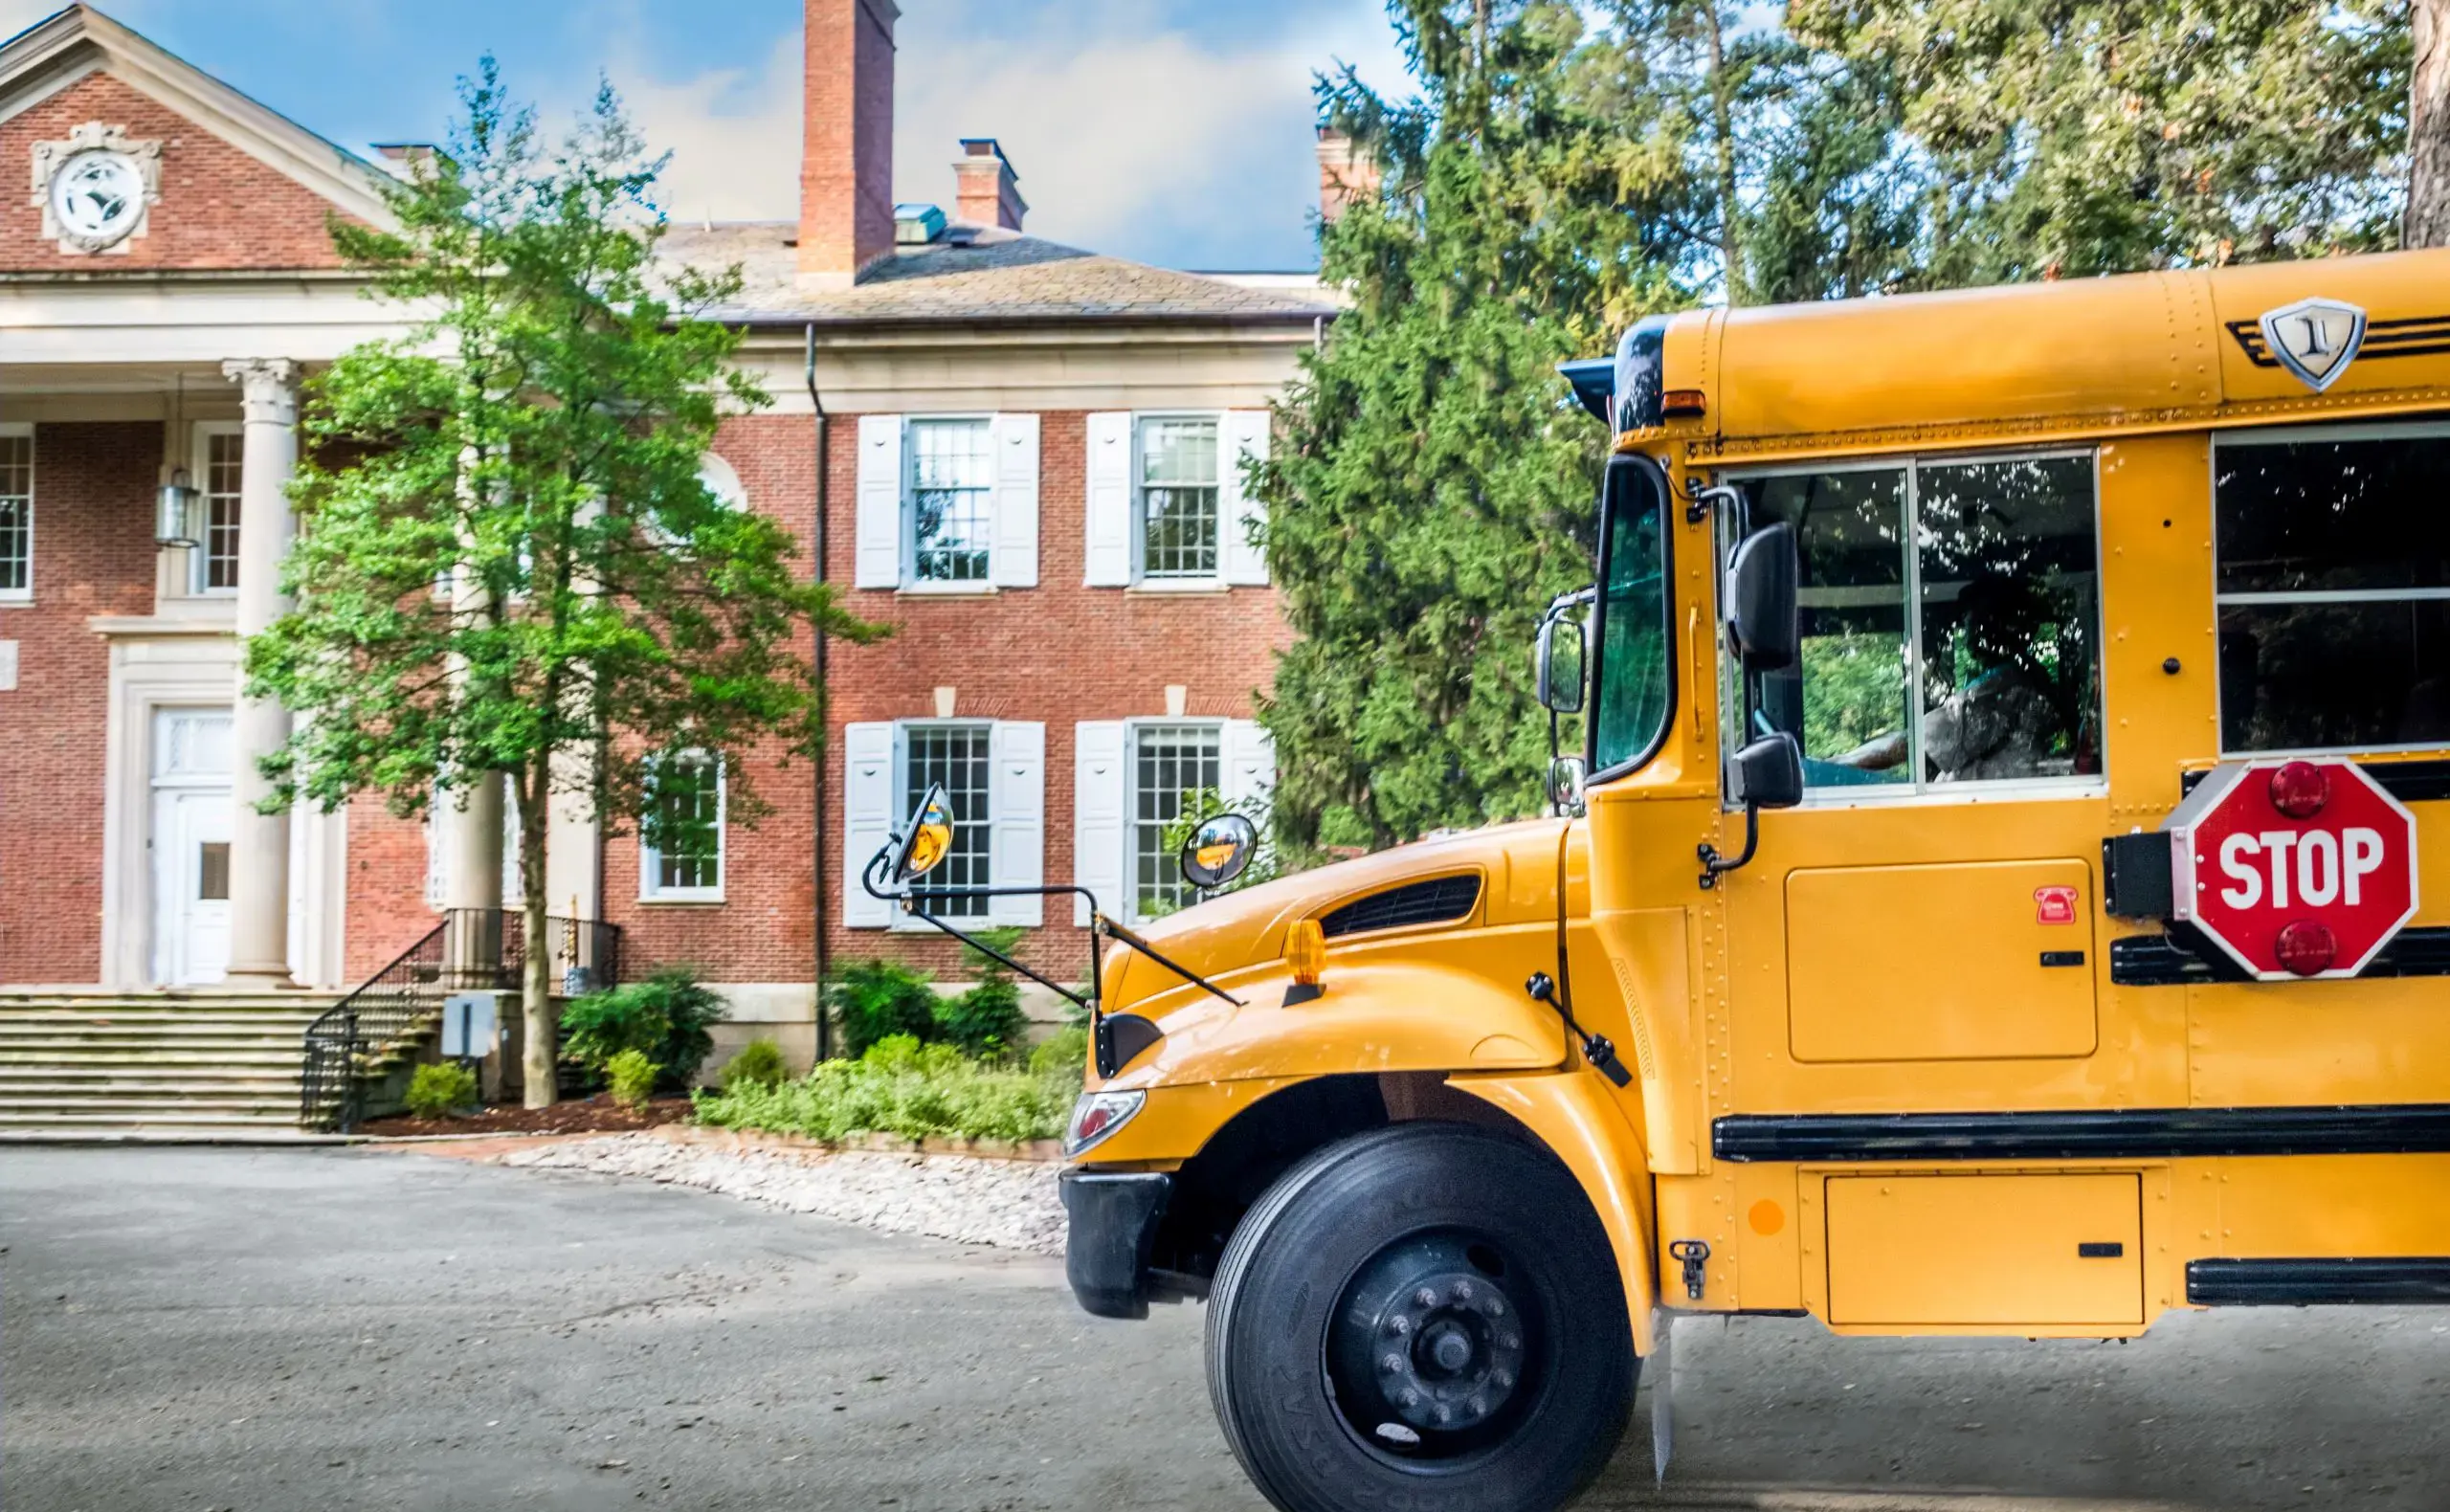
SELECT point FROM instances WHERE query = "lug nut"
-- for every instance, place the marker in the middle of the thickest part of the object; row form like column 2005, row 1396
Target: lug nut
column 1494, row 1307
column 1513, row 1340
column 1399, row 1325
column 1391, row 1364
column 1410, row 1398
column 1445, row 1414
column 1480, row 1406
column 1425, row 1298
column 1503, row 1378
column 1462, row 1291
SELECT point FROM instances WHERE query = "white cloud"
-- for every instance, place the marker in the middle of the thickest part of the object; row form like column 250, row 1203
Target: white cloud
column 1128, row 136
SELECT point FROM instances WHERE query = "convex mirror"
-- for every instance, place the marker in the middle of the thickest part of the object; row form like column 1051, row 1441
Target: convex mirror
column 927, row 839
column 1557, row 666
column 1762, row 611
column 1218, row 851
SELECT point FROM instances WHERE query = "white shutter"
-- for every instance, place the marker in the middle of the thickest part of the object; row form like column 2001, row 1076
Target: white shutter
column 1109, row 504
column 1100, row 792
column 877, row 561
column 1249, row 760
column 1014, row 561
column 1237, row 560
column 1018, row 810
column 867, row 818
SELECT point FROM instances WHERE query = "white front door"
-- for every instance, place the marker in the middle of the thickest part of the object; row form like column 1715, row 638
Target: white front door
column 190, row 846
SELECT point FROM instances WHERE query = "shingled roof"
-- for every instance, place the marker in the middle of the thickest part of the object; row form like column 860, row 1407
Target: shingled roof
column 1002, row 277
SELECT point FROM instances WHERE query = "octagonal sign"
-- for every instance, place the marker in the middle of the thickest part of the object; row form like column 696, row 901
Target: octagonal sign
column 2295, row 868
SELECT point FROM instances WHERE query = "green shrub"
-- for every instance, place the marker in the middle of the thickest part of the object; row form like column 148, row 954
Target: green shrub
column 986, row 1020
column 1063, row 1052
column 633, row 1077
column 441, row 1090
column 904, row 1087
column 759, row 1063
column 665, row 1018
column 878, row 999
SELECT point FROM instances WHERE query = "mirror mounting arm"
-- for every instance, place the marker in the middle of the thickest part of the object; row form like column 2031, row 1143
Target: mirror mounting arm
column 1715, row 865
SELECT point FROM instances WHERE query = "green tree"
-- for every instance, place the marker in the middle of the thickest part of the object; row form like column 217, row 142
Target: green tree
column 2063, row 138
column 1434, row 487
column 533, row 445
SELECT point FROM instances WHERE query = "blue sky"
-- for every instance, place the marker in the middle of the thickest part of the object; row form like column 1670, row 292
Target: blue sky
column 1167, row 131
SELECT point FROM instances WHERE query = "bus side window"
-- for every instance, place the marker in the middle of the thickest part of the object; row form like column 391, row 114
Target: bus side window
column 1982, row 575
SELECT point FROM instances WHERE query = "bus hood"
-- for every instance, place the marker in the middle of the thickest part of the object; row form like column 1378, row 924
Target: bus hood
column 1243, row 932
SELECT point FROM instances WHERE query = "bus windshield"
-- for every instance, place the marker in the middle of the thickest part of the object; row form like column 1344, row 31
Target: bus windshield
column 1633, row 677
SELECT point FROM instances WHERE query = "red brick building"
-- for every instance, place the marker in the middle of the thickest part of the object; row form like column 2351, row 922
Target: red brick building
column 1025, row 456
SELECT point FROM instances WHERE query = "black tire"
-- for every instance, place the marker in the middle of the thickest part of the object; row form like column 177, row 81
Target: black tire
column 1322, row 1322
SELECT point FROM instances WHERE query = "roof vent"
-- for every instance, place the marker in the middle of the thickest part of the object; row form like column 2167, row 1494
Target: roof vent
column 917, row 225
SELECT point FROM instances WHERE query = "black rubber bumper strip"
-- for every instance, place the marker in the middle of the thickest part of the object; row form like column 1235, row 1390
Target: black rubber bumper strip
column 2420, row 1128
column 2317, row 1282
column 1113, row 1225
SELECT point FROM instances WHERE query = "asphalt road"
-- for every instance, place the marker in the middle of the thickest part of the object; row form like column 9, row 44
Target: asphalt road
column 191, row 1328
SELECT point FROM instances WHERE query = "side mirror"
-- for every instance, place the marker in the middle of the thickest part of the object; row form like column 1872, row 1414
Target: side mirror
column 1567, row 775
column 1220, row 851
column 1557, row 665
column 1762, row 611
column 1769, row 772
column 928, row 839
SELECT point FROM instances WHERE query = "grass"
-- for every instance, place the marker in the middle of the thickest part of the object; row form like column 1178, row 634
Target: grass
column 903, row 1088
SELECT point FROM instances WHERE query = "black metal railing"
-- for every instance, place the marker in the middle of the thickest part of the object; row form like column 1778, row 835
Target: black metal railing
column 396, row 1014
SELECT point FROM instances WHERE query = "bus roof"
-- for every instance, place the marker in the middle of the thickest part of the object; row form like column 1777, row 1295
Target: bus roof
column 2141, row 351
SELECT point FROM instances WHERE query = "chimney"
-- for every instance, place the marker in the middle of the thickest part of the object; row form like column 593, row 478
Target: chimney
column 984, row 191
column 1346, row 173
column 846, row 152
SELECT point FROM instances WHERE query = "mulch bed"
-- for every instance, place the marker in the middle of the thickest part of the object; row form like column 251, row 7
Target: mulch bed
column 596, row 1115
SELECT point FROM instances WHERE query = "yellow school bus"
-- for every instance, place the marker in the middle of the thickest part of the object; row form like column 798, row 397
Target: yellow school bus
column 2005, row 890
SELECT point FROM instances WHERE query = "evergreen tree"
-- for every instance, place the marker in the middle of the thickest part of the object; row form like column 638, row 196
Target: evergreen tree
column 2064, row 138
column 506, row 562
column 1434, row 486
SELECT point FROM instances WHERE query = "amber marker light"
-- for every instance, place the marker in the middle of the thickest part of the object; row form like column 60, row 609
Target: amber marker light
column 1305, row 951
column 1683, row 404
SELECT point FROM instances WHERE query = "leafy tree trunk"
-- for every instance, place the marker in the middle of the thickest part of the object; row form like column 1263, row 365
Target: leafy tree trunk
column 2428, row 219
column 541, row 1035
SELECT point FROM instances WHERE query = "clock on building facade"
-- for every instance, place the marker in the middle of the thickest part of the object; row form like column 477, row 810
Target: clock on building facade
column 96, row 189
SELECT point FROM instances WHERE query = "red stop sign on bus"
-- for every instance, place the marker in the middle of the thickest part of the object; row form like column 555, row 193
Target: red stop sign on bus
column 2295, row 868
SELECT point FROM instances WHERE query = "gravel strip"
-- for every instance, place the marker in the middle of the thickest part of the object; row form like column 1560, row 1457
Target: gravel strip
column 1009, row 1204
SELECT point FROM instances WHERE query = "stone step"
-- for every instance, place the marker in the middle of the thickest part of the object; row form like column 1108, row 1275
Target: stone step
column 158, row 1019
column 22, row 1051
column 13, row 1122
column 198, row 1076
column 30, row 1113
column 270, row 1052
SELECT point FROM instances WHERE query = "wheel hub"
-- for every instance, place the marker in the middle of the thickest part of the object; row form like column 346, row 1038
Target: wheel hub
column 1428, row 1337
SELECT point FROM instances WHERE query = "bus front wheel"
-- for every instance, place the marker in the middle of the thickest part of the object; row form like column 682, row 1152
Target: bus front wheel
column 1428, row 1314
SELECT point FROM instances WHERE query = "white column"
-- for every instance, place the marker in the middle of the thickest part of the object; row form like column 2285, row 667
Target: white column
column 259, row 842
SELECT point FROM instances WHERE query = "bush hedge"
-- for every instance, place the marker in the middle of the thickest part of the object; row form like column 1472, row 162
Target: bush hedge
column 666, row 1018
column 902, row 1087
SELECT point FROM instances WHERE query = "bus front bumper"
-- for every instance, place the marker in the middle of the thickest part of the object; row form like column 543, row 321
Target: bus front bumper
column 1113, row 1225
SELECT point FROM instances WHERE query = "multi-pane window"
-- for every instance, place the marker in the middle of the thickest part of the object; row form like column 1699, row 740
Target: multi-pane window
column 17, row 514
column 1949, row 622
column 958, row 757
column 1170, row 765
column 2334, row 586
column 223, row 452
column 951, row 500
column 684, row 853
column 1179, row 488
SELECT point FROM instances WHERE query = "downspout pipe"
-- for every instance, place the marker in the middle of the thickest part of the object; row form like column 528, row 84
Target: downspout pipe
column 817, row 857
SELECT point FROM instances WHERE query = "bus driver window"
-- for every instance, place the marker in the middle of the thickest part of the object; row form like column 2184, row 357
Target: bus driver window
column 1950, row 615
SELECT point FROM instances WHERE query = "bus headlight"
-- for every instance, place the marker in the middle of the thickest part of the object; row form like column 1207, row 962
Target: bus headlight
column 1098, row 1114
